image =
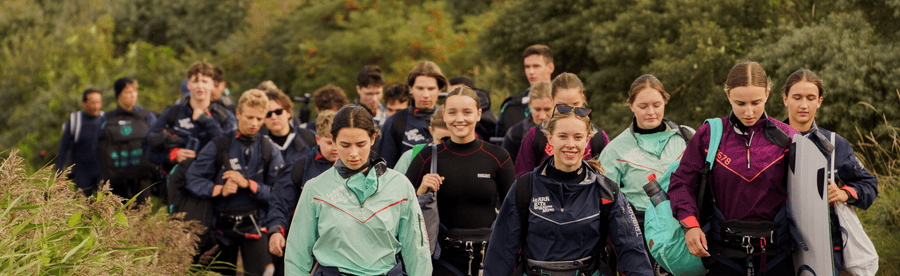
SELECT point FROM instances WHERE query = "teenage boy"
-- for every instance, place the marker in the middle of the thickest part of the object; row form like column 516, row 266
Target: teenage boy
column 241, row 185
column 81, row 134
column 220, row 93
column 409, row 127
column 328, row 97
column 538, row 67
column 396, row 98
column 370, row 88
column 185, row 127
column 122, row 158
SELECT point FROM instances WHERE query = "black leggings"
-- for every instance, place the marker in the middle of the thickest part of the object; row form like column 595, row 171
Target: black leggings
column 254, row 253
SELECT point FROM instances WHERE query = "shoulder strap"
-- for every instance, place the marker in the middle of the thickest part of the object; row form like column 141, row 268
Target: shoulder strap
column 75, row 125
column 539, row 140
column 400, row 125
column 223, row 146
column 172, row 116
column 597, row 143
column 266, row 148
column 704, row 202
column 523, row 201
column 307, row 137
column 715, row 137
column 297, row 173
column 434, row 161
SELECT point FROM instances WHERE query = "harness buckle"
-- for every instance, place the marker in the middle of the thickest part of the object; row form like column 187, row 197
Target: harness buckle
column 745, row 242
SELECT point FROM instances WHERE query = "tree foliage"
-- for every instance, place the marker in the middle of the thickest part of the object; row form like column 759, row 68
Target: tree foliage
column 180, row 24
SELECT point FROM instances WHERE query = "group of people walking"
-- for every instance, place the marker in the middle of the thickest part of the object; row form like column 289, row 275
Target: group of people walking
column 382, row 189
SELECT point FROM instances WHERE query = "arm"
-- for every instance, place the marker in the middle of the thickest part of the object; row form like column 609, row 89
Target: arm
column 298, row 258
column 627, row 239
column 64, row 143
column 387, row 147
column 285, row 199
column 500, row 258
column 403, row 163
column 611, row 166
column 201, row 174
column 683, row 184
column 506, row 176
column 413, row 239
column 418, row 168
column 211, row 126
column 859, row 183
column 525, row 161
column 155, row 139
column 511, row 146
column 264, row 192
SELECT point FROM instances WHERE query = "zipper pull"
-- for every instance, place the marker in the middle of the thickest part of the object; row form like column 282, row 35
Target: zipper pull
column 748, row 158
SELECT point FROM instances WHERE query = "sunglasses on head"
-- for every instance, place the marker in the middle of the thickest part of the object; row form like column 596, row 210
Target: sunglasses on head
column 580, row 111
column 276, row 111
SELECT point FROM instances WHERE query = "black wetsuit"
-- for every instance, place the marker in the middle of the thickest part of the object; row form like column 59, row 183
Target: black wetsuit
column 477, row 175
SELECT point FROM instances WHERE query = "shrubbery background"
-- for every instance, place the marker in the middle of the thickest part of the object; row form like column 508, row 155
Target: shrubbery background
column 52, row 50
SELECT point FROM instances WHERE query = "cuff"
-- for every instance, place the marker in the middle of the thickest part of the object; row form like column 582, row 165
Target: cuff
column 217, row 190
column 277, row 229
column 253, row 186
column 850, row 192
column 690, row 222
column 173, row 154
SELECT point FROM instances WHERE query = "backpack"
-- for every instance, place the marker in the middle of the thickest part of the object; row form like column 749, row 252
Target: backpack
column 202, row 209
column 662, row 232
column 399, row 126
column 121, row 155
column 603, row 260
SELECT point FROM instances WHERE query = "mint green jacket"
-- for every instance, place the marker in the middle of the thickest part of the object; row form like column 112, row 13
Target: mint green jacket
column 335, row 228
column 631, row 157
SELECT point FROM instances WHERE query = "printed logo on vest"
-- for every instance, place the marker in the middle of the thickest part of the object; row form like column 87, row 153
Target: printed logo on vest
column 186, row 123
column 413, row 135
column 540, row 204
column 484, row 175
column 125, row 130
column 338, row 195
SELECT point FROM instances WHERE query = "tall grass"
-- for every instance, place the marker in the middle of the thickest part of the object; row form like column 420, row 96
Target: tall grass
column 882, row 219
column 47, row 229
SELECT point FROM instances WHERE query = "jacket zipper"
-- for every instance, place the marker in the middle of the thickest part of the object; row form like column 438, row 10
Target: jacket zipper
column 748, row 149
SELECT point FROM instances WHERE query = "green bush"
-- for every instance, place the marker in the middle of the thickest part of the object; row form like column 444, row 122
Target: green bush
column 47, row 229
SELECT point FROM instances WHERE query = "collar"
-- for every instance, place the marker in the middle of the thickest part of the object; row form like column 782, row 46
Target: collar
column 134, row 110
column 378, row 163
column 592, row 175
column 422, row 113
column 244, row 139
column 771, row 131
column 666, row 122
column 357, row 102
column 824, row 143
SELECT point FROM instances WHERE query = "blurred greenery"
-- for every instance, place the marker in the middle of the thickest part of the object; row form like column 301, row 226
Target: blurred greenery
column 52, row 50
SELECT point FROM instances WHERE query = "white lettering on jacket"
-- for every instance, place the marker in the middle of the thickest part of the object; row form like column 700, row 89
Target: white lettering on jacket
column 186, row 123
column 413, row 135
column 540, row 204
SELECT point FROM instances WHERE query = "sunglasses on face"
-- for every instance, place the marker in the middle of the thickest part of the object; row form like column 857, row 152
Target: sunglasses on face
column 566, row 109
column 276, row 111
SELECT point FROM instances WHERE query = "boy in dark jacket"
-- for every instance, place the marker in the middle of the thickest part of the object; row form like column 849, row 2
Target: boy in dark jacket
column 425, row 81
column 242, row 187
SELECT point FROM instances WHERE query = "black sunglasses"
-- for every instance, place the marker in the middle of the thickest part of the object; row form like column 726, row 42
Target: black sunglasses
column 276, row 111
column 580, row 111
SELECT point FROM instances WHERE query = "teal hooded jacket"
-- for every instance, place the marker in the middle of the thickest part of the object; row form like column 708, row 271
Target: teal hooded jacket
column 358, row 224
column 631, row 157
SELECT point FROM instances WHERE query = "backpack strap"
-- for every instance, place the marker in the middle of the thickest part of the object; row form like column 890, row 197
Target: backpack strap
column 605, row 261
column 540, row 143
column 75, row 125
column 223, row 146
column 597, row 143
column 266, row 149
column 400, row 125
column 704, row 202
column 308, row 139
column 172, row 116
column 297, row 174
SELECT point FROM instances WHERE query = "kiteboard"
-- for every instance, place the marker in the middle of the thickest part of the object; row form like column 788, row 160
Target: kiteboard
column 808, row 204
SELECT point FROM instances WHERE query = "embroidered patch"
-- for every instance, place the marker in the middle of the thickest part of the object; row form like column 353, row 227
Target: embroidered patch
column 484, row 175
